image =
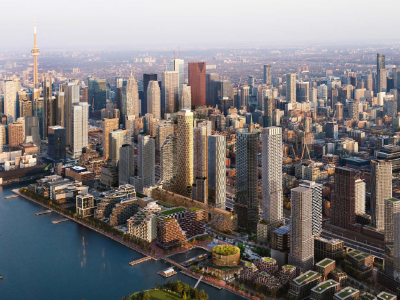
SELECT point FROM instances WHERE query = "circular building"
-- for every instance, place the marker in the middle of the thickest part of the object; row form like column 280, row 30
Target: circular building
column 226, row 255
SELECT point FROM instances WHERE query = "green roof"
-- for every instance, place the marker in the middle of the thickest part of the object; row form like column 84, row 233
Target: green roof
column 346, row 292
column 324, row 285
column 385, row 295
column 305, row 277
column 325, row 262
column 172, row 211
column 195, row 208
column 268, row 259
column 225, row 250
column 394, row 199
column 288, row 267
column 358, row 255
column 165, row 204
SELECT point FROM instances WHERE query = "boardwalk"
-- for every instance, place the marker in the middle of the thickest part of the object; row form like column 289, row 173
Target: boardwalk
column 140, row 260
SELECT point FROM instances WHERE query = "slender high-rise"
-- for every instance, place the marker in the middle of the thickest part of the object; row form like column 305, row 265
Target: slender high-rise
column 301, row 237
column 170, row 91
column 35, row 52
column 71, row 97
column 381, row 73
column 146, row 79
column 200, row 151
column 272, row 203
column 184, row 173
column 10, row 98
column 381, row 189
column 130, row 107
column 268, row 109
column 168, row 159
column 392, row 237
column 178, row 65
column 246, row 204
column 47, row 106
column 316, row 189
column 109, row 125
column 79, row 130
column 197, row 81
column 267, row 75
column 154, row 99
column 185, row 98
column 146, row 160
column 217, row 171
column 291, row 87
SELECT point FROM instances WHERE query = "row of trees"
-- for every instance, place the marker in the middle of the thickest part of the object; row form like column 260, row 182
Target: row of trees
column 184, row 290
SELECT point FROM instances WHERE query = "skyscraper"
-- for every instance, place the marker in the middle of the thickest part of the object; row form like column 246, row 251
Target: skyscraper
column 291, row 87
column 170, row 91
column 268, row 109
column 246, row 204
column 185, row 100
column 184, row 173
column 200, row 161
column 109, row 125
column 15, row 134
column 267, row 78
column 97, row 93
column 211, row 78
column 216, row 171
column 146, row 79
column 392, row 234
column 59, row 106
column 178, row 65
column 116, row 139
column 244, row 95
column 71, row 98
column 146, row 159
column 80, row 114
column 272, row 203
column 381, row 73
column 197, row 81
column 332, row 131
column 56, row 148
column 301, row 238
column 154, row 99
column 47, row 106
column 126, row 170
column 168, row 159
column 302, row 91
column 10, row 98
column 251, row 81
column 381, row 189
column 316, row 190
column 130, row 107
column 35, row 52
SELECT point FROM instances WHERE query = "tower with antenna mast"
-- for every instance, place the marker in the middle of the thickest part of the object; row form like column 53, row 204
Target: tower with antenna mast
column 35, row 52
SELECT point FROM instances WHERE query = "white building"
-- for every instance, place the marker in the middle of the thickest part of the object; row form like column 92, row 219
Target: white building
column 10, row 99
column 217, row 170
column 80, row 114
column 316, row 204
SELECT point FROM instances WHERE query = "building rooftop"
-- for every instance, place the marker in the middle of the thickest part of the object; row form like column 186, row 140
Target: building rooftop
column 320, row 288
column 358, row 255
column 346, row 292
column 269, row 259
column 172, row 211
column 325, row 262
column 394, row 199
column 309, row 275
column 385, row 295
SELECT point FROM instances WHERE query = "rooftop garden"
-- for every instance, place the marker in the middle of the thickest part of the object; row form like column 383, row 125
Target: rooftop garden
column 288, row 267
column 165, row 204
column 195, row 208
column 346, row 292
column 306, row 276
column 323, row 286
column 358, row 255
column 226, row 250
column 172, row 211
column 325, row 262
column 394, row 199
column 386, row 296
column 268, row 259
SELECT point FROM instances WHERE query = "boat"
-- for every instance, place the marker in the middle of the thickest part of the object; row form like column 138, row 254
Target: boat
column 1, row 276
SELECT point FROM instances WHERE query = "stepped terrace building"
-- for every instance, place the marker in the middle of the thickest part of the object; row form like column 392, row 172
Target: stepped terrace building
column 143, row 224
column 123, row 211
column 301, row 286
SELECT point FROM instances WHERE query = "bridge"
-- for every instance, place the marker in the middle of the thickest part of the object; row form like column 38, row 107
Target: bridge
column 198, row 281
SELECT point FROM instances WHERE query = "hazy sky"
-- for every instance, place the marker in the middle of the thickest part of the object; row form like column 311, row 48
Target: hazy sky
column 117, row 24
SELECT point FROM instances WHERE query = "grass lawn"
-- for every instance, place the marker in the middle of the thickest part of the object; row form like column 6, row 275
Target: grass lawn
column 162, row 295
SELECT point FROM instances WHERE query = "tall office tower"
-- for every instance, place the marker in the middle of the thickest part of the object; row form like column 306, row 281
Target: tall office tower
column 339, row 111
column 170, row 91
column 360, row 196
column 307, row 125
column 184, row 172
column 185, row 100
column 244, row 95
column 263, row 91
column 353, row 110
column 10, row 98
column 126, row 170
column 84, row 94
column 395, row 73
column 322, row 92
column 71, row 98
column 59, row 109
column 168, row 159
column 381, row 73
column 32, row 130
column 15, row 134
column 2, row 137
column 116, row 139
column 302, row 91
column 316, row 189
column 197, row 81
column 301, row 253
column 222, row 89
column 56, row 148
column 291, row 87
column 80, row 114
column 146, row 160
column 97, row 93
column 146, row 79
column 313, row 95
column 217, row 171
column 131, row 106
column 35, row 52
column 246, row 205
column 332, row 131
column 272, row 202
column 267, row 78
column 47, row 106
column 251, row 81
column 390, row 107
column 38, row 111
column 109, row 125
column 268, row 110
column 392, row 234
column 381, row 189
column 164, row 129
column 211, row 78
column 369, row 82
column 343, row 204
column 200, row 148
column 178, row 65
column 25, row 108
column 154, row 99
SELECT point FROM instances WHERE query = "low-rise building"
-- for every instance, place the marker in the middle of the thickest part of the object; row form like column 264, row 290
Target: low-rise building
column 123, row 211
column 301, row 286
column 347, row 293
column 325, row 266
column 386, row 296
column 359, row 263
column 84, row 205
column 325, row 290
column 143, row 225
column 328, row 248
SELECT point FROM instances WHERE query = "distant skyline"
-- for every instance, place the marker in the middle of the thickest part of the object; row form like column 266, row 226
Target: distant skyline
column 120, row 25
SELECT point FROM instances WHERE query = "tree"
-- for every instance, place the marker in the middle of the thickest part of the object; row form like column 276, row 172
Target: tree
column 146, row 296
column 203, row 295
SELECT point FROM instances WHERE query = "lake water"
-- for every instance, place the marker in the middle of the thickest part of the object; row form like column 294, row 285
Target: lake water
column 41, row 260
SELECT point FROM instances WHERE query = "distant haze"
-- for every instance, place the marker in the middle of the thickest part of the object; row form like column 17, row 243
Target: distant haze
column 91, row 24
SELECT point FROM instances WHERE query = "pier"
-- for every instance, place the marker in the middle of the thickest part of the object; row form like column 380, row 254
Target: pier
column 60, row 221
column 10, row 197
column 141, row 260
column 43, row 212
column 198, row 281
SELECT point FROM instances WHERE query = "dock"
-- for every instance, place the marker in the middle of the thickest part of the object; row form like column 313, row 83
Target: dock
column 10, row 197
column 141, row 260
column 43, row 212
column 60, row 221
column 167, row 272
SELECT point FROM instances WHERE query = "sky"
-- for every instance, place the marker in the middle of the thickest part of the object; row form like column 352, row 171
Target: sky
column 125, row 25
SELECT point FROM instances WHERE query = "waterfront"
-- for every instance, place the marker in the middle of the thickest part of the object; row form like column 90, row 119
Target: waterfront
column 41, row 260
